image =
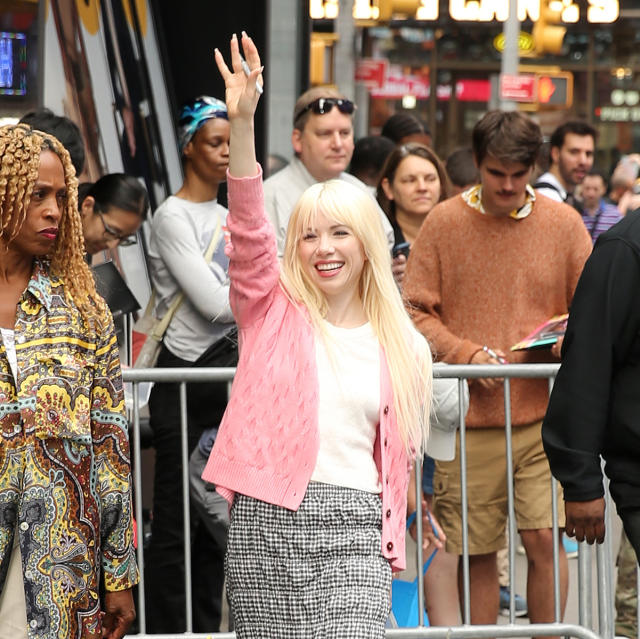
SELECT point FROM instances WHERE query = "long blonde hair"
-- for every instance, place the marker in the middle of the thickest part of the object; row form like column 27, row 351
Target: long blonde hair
column 20, row 150
column 407, row 352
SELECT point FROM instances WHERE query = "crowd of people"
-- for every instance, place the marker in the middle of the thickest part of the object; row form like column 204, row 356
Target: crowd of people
column 335, row 285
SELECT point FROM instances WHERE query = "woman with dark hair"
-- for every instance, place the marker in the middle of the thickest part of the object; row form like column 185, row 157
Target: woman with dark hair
column 412, row 182
column 187, row 259
column 112, row 210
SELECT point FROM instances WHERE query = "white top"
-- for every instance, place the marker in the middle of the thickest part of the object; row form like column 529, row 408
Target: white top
column 348, row 407
column 8, row 339
column 283, row 190
column 558, row 193
column 180, row 234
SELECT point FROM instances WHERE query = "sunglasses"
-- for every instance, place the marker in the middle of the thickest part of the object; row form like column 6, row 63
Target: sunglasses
column 324, row 105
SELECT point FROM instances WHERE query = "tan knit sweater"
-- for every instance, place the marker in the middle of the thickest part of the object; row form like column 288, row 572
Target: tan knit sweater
column 475, row 279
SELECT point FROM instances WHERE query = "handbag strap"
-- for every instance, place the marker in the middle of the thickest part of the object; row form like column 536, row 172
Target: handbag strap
column 160, row 328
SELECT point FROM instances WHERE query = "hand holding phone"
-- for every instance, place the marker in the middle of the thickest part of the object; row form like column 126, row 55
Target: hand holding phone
column 400, row 249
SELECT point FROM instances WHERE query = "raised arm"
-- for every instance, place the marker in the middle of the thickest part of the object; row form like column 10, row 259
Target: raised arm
column 254, row 270
column 242, row 98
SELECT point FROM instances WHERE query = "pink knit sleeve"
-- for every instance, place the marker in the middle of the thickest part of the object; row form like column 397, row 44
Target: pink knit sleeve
column 254, row 269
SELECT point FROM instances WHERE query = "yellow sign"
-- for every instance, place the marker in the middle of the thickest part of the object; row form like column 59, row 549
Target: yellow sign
column 525, row 43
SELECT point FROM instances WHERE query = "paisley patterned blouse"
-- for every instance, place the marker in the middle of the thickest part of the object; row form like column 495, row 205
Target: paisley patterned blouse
column 64, row 463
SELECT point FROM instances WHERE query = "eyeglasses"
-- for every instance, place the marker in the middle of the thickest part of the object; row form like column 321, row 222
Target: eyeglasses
column 324, row 105
column 113, row 234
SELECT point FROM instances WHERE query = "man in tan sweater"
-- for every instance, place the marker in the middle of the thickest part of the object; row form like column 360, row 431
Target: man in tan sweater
column 488, row 266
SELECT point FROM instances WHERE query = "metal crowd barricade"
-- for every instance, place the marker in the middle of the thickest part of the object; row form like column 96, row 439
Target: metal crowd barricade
column 583, row 630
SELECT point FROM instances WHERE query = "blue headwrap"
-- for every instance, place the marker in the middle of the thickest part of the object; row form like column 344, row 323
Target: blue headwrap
column 195, row 113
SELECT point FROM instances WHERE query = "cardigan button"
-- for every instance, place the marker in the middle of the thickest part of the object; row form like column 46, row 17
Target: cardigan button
column 386, row 410
column 388, row 513
column 390, row 546
column 386, row 480
column 385, row 441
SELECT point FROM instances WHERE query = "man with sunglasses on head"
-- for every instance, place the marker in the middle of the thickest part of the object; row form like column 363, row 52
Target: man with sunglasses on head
column 322, row 140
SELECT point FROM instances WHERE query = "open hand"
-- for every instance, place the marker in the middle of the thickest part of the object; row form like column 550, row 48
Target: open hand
column 241, row 94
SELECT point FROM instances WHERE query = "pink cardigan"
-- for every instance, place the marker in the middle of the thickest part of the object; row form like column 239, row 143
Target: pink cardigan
column 267, row 443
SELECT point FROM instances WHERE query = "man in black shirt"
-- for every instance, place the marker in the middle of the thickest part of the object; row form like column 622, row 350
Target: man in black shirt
column 594, row 408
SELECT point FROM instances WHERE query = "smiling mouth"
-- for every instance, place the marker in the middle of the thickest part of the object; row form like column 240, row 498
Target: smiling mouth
column 329, row 267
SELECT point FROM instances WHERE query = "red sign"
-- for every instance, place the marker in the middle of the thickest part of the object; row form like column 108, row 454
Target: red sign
column 519, row 88
column 371, row 72
column 398, row 84
column 473, row 90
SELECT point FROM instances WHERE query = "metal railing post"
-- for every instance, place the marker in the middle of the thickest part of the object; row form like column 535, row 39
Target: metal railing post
column 466, row 580
column 555, row 539
column 419, row 553
column 137, row 487
column 184, row 429
column 510, row 499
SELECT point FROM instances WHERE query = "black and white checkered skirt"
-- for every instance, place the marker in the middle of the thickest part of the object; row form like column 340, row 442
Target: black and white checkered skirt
column 316, row 572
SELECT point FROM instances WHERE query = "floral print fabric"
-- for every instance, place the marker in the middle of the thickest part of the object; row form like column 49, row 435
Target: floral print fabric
column 64, row 463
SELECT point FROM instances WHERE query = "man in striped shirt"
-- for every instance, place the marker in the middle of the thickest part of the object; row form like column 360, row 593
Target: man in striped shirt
column 597, row 214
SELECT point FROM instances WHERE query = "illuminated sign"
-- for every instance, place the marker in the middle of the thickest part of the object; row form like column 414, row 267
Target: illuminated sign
column 598, row 11
column 488, row 10
column 519, row 88
column 526, row 43
column 618, row 114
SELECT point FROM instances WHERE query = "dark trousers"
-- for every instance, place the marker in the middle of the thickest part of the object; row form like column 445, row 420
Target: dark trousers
column 631, row 522
column 164, row 558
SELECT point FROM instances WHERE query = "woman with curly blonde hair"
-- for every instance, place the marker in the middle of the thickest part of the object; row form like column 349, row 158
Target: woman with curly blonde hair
column 65, row 502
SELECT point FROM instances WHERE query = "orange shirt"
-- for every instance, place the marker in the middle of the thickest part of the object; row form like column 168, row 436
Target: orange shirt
column 475, row 279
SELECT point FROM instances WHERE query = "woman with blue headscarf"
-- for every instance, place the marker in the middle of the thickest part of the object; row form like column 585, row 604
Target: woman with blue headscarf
column 187, row 258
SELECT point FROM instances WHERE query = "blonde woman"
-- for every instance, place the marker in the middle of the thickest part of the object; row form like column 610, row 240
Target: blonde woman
column 331, row 397
column 65, row 502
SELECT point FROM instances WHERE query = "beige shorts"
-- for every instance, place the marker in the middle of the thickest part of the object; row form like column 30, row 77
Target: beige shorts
column 487, row 488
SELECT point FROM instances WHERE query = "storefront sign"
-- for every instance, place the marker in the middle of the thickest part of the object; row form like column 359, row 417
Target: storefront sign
column 618, row 114
column 519, row 88
column 597, row 11
column 473, row 90
column 397, row 85
column 371, row 72
column 526, row 43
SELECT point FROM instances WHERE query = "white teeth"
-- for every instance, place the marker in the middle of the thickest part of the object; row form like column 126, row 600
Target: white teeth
column 329, row 267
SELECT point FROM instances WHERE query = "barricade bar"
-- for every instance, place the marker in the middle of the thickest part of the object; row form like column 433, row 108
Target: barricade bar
column 177, row 374
column 468, row 371
column 476, row 371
